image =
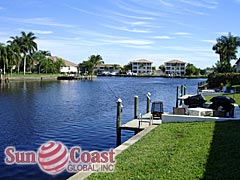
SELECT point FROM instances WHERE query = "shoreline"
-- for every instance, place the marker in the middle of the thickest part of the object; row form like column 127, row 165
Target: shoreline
column 54, row 77
column 149, row 76
column 28, row 78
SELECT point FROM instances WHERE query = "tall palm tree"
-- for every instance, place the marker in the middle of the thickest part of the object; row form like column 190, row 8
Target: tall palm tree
column 16, row 50
column 3, row 56
column 27, row 46
column 11, row 58
column 226, row 47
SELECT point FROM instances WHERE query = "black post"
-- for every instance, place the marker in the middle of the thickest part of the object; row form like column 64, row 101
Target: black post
column 118, row 122
column 0, row 76
column 148, row 102
column 177, row 97
column 135, row 107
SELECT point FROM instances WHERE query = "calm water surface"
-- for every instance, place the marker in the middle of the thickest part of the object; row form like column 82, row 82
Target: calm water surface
column 77, row 113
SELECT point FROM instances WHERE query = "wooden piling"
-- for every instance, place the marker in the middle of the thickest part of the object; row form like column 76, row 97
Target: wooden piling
column 184, row 89
column 177, row 97
column 181, row 91
column 118, row 122
column 148, row 102
column 135, row 107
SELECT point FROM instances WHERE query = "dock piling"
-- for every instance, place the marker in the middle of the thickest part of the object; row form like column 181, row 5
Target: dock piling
column 135, row 107
column 177, row 97
column 184, row 89
column 118, row 123
column 148, row 101
column 181, row 93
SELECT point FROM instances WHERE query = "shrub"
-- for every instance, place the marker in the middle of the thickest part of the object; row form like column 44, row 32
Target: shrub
column 215, row 79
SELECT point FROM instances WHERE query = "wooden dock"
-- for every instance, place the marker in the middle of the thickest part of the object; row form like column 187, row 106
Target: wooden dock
column 76, row 77
column 140, row 124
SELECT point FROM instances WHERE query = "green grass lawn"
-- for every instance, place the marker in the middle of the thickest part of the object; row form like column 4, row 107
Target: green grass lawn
column 202, row 150
column 31, row 75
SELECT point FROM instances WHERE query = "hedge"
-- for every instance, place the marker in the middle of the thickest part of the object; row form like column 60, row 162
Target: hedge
column 215, row 79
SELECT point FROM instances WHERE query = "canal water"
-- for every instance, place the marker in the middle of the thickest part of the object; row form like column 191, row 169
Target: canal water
column 77, row 113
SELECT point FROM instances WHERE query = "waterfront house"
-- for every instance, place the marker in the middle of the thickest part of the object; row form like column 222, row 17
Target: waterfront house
column 175, row 67
column 237, row 65
column 69, row 67
column 107, row 69
column 141, row 66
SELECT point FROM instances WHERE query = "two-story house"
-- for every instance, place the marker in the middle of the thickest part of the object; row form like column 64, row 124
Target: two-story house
column 175, row 67
column 142, row 66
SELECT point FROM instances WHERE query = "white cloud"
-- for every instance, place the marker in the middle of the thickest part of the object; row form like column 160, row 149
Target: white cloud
column 139, row 23
column 204, row 4
column 187, row 49
column 133, row 9
column 163, row 37
column 130, row 42
column 38, row 21
column 36, row 31
column 195, row 12
column 209, row 41
column 182, row 33
column 222, row 33
column 165, row 3
column 135, row 30
column 134, row 17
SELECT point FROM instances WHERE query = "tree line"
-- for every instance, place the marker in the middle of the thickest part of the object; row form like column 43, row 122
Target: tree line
column 21, row 54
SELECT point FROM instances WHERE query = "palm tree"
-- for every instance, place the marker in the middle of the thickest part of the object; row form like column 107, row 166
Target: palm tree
column 27, row 46
column 39, row 57
column 16, row 50
column 226, row 47
column 58, row 64
column 48, row 65
column 11, row 58
column 94, row 61
column 3, row 56
column 162, row 68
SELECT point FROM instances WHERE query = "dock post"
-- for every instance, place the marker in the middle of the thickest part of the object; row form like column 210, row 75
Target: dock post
column 181, row 91
column 118, row 123
column 184, row 89
column 135, row 107
column 148, row 102
column 177, row 97
column 0, row 76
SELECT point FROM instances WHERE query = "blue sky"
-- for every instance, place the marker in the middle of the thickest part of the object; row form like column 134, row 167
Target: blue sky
column 124, row 30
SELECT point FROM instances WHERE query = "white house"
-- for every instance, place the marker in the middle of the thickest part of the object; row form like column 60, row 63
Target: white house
column 142, row 66
column 175, row 67
column 237, row 65
column 69, row 67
